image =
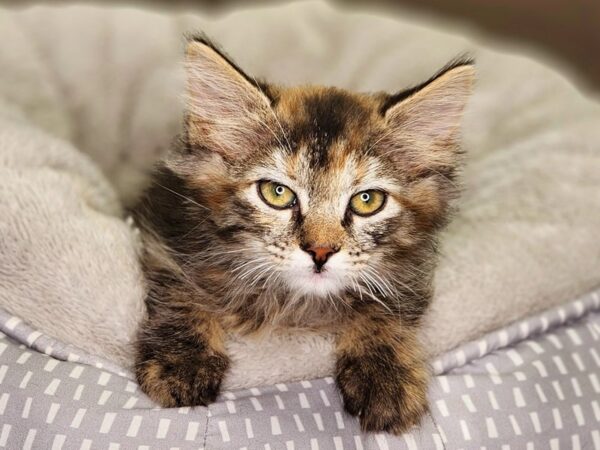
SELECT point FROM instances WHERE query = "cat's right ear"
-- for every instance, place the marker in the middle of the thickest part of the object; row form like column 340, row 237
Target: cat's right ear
column 227, row 111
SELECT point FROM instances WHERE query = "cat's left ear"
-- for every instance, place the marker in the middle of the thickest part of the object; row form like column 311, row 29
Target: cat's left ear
column 424, row 122
column 227, row 111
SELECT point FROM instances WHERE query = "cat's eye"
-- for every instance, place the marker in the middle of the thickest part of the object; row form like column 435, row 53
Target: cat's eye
column 276, row 195
column 367, row 203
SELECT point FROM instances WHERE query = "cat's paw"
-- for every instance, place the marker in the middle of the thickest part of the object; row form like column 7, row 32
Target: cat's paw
column 382, row 393
column 189, row 381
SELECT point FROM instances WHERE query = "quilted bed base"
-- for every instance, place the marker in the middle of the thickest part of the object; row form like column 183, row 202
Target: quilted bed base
column 532, row 385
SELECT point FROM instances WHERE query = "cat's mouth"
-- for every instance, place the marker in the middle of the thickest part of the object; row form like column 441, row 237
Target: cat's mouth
column 318, row 270
column 319, row 274
column 315, row 281
column 314, row 276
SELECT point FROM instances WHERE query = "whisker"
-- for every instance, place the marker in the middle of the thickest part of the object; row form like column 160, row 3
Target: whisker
column 257, row 277
column 183, row 196
column 244, row 265
column 373, row 296
column 383, row 282
column 253, row 269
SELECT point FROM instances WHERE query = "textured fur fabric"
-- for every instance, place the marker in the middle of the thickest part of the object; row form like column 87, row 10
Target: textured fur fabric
column 107, row 85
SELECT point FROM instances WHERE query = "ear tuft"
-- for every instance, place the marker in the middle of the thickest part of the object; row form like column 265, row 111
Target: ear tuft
column 227, row 109
column 434, row 108
column 424, row 122
column 392, row 100
column 197, row 42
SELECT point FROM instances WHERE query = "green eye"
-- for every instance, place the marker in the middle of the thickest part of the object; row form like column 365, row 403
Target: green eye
column 276, row 195
column 367, row 203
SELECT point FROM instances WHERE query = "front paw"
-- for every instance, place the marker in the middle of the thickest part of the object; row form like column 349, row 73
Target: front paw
column 384, row 393
column 173, row 382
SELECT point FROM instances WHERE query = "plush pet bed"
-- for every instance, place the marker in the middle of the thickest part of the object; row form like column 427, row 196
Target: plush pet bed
column 83, row 116
column 534, row 384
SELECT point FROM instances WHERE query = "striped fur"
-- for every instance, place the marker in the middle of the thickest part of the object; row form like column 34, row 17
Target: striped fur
column 218, row 258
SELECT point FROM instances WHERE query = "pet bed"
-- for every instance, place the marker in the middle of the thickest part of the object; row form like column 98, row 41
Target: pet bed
column 84, row 115
column 534, row 384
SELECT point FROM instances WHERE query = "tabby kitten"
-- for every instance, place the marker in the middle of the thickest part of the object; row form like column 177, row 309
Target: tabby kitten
column 308, row 207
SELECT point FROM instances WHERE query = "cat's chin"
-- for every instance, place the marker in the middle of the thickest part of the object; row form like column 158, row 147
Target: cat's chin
column 316, row 284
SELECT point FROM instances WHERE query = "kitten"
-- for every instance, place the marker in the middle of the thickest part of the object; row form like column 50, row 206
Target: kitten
column 308, row 207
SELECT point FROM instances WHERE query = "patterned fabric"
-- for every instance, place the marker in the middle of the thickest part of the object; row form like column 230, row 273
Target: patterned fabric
column 533, row 385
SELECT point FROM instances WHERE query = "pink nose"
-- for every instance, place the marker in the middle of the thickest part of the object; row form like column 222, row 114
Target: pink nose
column 320, row 253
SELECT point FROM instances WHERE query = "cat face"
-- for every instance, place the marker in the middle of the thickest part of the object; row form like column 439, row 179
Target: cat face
column 319, row 191
column 327, row 201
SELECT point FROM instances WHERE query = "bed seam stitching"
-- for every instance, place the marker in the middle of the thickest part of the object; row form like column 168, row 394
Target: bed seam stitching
column 206, row 427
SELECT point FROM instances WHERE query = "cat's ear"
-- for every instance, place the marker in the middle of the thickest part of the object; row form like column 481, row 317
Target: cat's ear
column 227, row 111
column 424, row 122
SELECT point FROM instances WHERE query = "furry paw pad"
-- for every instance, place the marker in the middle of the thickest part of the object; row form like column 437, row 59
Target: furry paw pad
column 183, row 382
column 382, row 393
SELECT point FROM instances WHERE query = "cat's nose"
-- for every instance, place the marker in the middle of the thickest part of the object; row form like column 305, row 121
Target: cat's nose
column 320, row 253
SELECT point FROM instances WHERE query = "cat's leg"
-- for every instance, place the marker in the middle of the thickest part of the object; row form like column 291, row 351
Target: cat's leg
column 181, row 358
column 381, row 373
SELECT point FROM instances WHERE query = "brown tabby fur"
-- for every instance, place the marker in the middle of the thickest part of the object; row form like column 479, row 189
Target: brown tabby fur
column 206, row 235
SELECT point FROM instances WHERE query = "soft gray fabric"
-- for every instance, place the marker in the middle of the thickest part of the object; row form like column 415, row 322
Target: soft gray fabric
column 535, row 384
column 107, row 82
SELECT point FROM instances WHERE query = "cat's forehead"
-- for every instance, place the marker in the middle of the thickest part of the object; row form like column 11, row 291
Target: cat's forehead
column 320, row 117
column 326, row 129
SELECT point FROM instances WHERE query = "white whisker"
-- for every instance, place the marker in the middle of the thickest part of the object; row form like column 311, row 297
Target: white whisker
column 183, row 196
column 372, row 295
